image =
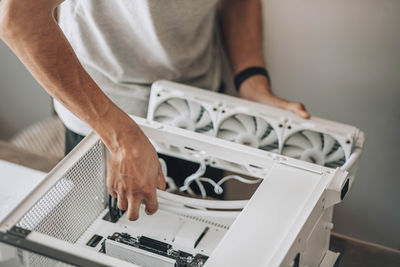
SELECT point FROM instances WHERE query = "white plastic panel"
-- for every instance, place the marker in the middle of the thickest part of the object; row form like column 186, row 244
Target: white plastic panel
column 272, row 219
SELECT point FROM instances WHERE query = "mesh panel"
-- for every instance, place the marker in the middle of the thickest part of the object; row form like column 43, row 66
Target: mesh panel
column 71, row 205
column 29, row 259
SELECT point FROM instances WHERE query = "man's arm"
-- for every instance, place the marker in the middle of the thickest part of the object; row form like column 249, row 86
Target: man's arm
column 30, row 30
column 242, row 31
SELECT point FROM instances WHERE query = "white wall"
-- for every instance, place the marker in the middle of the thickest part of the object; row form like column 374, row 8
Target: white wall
column 341, row 58
column 22, row 100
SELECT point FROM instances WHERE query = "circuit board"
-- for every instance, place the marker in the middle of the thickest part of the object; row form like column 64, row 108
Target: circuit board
column 161, row 253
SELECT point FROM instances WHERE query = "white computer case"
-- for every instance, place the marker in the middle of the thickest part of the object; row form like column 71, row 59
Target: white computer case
column 286, row 222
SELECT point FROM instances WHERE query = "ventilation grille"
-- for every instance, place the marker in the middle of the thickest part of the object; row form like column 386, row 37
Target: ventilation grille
column 71, row 205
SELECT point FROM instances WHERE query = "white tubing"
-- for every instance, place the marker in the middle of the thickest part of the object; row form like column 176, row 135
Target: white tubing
column 193, row 177
column 200, row 213
column 352, row 159
column 205, row 203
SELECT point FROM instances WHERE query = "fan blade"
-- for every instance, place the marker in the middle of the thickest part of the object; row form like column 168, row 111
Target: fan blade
column 204, row 120
column 166, row 110
column 262, row 127
column 232, row 124
column 298, row 140
column 314, row 138
column 194, row 109
column 164, row 119
column 329, row 142
column 180, row 105
column 294, row 152
column 248, row 122
column 227, row 135
column 268, row 140
column 335, row 156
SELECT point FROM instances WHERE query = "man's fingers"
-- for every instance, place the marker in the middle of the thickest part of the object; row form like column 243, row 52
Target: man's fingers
column 112, row 193
column 134, row 206
column 161, row 180
column 122, row 201
column 111, row 177
column 110, row 187
column 298, row 109
column 151, row 203
column 303, row 113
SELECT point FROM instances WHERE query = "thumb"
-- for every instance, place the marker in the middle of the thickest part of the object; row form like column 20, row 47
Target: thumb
column 161, row 180
column 298, row 109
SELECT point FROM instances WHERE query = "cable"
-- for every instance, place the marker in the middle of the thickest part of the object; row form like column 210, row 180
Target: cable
column 168, row 180
column 201, row 187
column 217, row 186
column 204, row 203
column 196, row 212
column 198, row 179
column 194, row 177
column 235, row 177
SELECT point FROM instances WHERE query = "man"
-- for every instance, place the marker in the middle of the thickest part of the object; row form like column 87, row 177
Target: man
column 125, row 46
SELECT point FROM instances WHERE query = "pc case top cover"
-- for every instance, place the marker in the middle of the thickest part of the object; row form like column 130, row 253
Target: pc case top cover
column 285, row 217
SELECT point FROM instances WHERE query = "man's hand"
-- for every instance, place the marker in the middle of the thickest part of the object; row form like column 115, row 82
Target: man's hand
column 134, row 171
column 256, row 88
column 134, row 174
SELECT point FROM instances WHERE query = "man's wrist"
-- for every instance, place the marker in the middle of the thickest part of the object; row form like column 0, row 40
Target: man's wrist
column 254, row 88
column 249, row 72
column 116, row 129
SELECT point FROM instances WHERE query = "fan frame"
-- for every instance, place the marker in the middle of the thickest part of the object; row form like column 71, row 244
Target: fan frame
column 284, row 123
column 159, row 96
column 346, row 157
column 228, row 113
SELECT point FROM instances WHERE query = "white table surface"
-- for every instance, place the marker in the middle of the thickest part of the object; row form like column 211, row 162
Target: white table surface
column 16, row 182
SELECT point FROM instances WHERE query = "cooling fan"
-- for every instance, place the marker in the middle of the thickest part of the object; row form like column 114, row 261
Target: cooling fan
column 185, row 114
column 315, row 147
column 249, row 130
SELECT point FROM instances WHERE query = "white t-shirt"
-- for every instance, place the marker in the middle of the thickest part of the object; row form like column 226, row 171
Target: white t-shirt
column 126, row 45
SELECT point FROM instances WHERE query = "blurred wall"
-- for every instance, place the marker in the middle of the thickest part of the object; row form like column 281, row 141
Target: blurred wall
column 342, row 60
column 22, row 99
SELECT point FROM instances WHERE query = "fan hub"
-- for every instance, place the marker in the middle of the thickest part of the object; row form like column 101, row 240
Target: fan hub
column 184, row 123
column 247, row 139
column 313, row 156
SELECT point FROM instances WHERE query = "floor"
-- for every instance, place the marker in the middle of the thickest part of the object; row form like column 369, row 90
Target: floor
column 357, row 253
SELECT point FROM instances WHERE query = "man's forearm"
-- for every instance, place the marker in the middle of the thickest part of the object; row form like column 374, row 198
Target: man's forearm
column 242, row 31
column 29, row 29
